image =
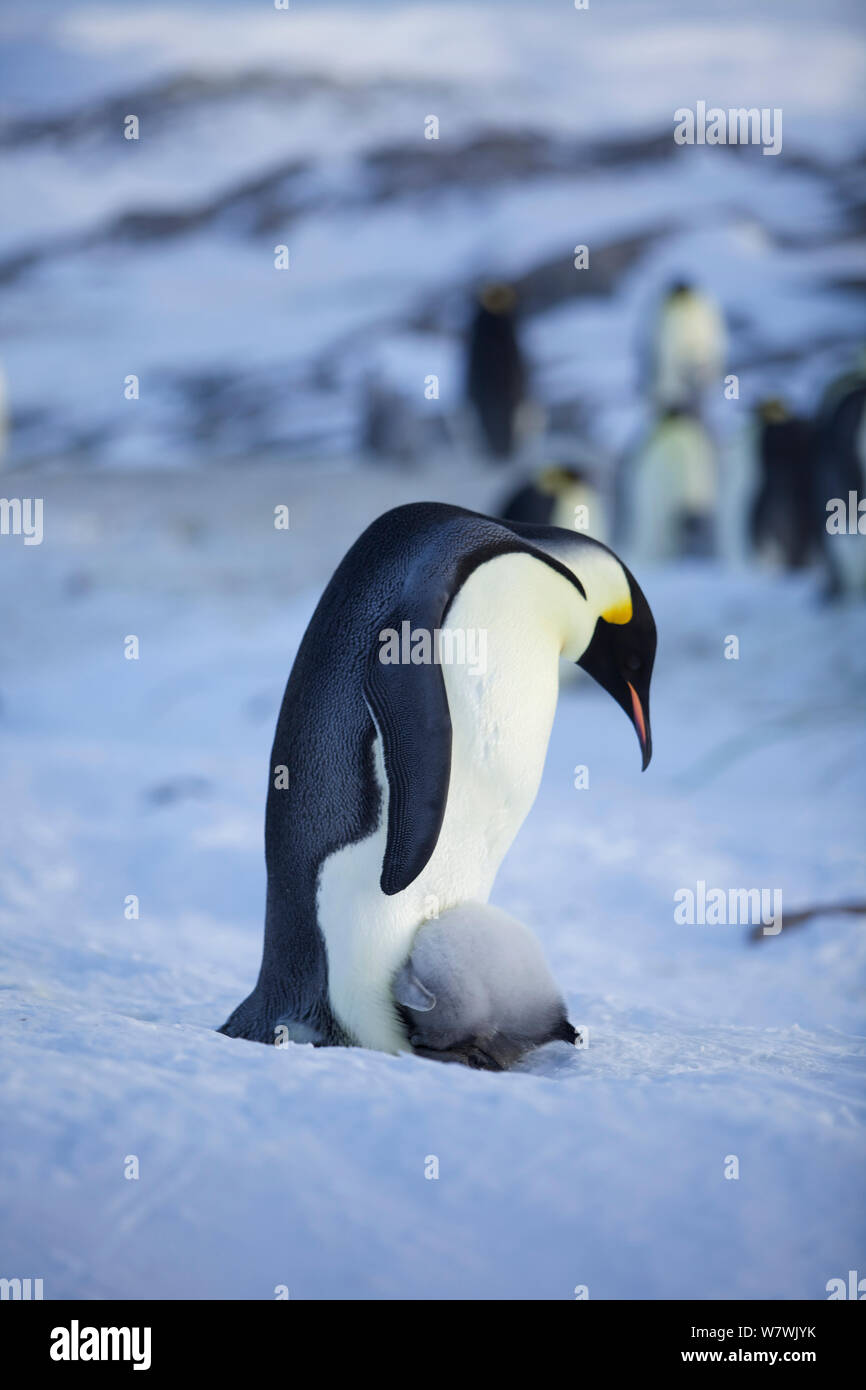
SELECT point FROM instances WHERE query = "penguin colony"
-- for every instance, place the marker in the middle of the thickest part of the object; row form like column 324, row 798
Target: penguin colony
column 409, row 777
column 669, row 496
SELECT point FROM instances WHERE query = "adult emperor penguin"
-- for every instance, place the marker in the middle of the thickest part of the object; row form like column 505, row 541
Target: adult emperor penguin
column 495, row 369
column 840, row 449
column 667, row 492
column 687, row 350
column 784, row 522
column 4, row 416
column 410, row 745
column 558, row 495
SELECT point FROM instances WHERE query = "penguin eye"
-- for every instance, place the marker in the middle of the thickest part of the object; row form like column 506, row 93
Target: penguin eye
column 633, row 662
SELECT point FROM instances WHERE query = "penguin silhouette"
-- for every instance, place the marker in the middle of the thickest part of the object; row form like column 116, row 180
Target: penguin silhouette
column 410, row 745
column 784, row 521
column 4, row 415
column 687, row 349
column 495, row 373
column 840, row 461
column 558, row 495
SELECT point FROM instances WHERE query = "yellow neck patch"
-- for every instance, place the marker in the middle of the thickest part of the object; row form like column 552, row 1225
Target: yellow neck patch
column 619, row 613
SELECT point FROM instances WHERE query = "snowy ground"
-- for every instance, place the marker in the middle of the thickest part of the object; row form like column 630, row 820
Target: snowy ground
column 300, row 1167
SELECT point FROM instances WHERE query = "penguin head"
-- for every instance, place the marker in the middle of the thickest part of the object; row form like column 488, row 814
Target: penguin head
column 621, row 652
column 679, row 290
column 557, row 479
column 773, row 411
column 497, row 297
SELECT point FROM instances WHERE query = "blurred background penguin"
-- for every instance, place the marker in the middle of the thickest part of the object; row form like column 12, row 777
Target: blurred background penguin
column 3, row 416
column 667, row 488
column 687, row 352
column 668, row 492
column 388, row 430
column 784, row 520
column 840, row 466
column 560, row 494
column 496, row 375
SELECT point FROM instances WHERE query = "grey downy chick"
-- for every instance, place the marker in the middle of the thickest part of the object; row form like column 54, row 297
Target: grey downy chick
column 477, row 989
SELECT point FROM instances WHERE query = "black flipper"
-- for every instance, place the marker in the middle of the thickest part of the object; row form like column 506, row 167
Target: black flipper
column 409, row 703
column 410, row 707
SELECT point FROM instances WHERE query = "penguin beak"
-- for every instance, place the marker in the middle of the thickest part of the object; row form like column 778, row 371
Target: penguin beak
column 641, row 724
column 602, row 662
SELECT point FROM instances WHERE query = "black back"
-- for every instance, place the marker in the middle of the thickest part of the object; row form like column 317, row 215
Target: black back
column 495, row 377
column 529, row 504
column 839, row 468
column 785, row 509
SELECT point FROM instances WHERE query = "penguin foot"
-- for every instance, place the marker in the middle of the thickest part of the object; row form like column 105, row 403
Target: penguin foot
column 469, row 1055
column 480, row 1060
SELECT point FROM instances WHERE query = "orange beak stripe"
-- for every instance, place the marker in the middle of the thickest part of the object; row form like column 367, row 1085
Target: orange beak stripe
column 640, row 723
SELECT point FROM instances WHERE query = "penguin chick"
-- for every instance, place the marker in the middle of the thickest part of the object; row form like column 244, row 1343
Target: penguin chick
column 476, row 989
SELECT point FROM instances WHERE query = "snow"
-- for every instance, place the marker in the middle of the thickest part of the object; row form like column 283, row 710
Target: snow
column 230, row 94
column 305, row 1167
column 603, row 1166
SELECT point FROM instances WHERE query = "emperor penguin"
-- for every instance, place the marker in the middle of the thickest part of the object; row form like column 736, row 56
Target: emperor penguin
column 687, row 352
column 4, row 415
column 668, row 492
column 495, row 370
column 410, row 745
column 784, row 521
column 477, row 989
column 558, row 495
column 840, row 460
column 387, row 427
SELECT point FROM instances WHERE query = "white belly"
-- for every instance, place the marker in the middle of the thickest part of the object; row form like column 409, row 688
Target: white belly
column 501, row 723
